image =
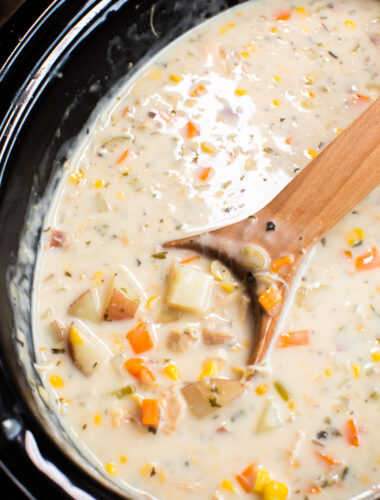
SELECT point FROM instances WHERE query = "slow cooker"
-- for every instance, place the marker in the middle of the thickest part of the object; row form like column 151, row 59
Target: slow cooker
column 59, row 59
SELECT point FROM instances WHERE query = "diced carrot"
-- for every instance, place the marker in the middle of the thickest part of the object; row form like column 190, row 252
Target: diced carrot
column 368, row 260
column 138, row 369
column 247, row 478
column 140, row 338
column 189, row 259
column 122, row 157
column 327, row 458
column 198, row 91
column 150, row 412
column 125, row 111
column 191, row 130
column 357, row 98
column 288, row 339
column 351, row 432
column 282, row 15
column 288, row 140
column 270, row 298
column 347, row 253
column 313, row 489
column 57, row 239
column 277, row 264
column 205, row 173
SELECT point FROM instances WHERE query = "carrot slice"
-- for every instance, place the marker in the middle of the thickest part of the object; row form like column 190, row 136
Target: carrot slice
column 247, row 478
column 150, row 412
column 347, row 254
column 122, row 157
column 189, row 259
column 138, row 369
column 351, row 432
column 277, row 264
column 288, row 140
column 326, row 458
column 368, row 260
column 191, row 130
column 282, row 15
column 140, row 338
column 288, row 339
column 205, row 173
column 360, row 98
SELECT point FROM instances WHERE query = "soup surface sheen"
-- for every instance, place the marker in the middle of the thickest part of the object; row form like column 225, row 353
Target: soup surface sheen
column 206, row 134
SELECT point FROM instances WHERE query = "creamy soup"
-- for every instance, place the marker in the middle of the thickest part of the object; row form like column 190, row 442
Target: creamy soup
column 143, row 350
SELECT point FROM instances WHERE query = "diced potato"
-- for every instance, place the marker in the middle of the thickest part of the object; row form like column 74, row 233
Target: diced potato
column 207, row 395
column 181, row 340
column 189, row 288
column 86, row 306
column 87, row 352
column 100, row 203
column 269, row 418
column 123, row 298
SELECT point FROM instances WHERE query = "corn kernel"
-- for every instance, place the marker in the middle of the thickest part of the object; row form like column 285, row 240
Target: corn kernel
column 176, row 78
column 261, row 389
column 227, row 287
column 356, row 370
column 275, row 103
column 301, row 11
column 355, row 237
column 223, row 30
column 75, row 337
column 310, row 153
column 262, row 478
column 137, row 399
column 208, row 148
column 172, row 371
column 155, row 75
column 151, row 301
column 364, row 479
column 56, row 381
column 350, row 24
column 99, row 183
column 98, row 277
column 275, row 491
column 338, row 130
column 227, row 485
column 97, row 419
column 245, row 54
column 123, row 459
column 276, row 78
column 291, row 404
column 240, row 92
column 209, row 368
column 111, row 468
column 376, row 356
column 250, row 47
column 76, row 177
column 328, row 372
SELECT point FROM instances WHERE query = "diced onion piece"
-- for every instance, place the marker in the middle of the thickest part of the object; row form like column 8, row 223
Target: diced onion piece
column 219, row 271
column 188, row 289
column 254, row 257
column 269, row 418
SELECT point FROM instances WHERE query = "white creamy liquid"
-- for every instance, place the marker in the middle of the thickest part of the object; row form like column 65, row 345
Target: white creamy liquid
column 265, row 87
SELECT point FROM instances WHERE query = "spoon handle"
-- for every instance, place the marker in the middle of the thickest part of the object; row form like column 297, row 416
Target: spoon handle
column 329, row 187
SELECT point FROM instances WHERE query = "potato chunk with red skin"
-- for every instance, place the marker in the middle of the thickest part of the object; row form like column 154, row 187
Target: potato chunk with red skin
column 207, row 395
column 119, row 306
column 86, row 351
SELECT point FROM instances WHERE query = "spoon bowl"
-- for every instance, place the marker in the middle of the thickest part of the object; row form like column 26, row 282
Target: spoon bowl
column 283, row 231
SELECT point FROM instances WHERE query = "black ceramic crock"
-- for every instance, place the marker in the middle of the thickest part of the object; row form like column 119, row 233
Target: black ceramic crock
column 58, row 59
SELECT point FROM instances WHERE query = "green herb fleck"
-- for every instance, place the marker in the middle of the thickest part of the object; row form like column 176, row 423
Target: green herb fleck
column 283, row 392
column 159, row 255
column 124, row 391
column 214, row 403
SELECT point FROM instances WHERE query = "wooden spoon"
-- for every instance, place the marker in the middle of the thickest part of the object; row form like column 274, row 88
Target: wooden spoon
column 311, row 204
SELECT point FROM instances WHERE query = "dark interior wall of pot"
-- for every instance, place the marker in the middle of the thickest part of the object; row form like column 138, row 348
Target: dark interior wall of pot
column 42, row 125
